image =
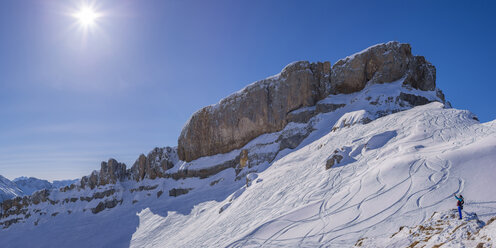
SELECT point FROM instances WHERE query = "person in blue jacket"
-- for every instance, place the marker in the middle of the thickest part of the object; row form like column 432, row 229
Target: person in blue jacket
column 459, row 204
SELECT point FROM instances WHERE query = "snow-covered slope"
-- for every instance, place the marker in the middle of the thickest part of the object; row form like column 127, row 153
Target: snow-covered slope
column 8, row 189
column 29, row 185
column 440, row 230
column 398, row 170
column 393, row 171
column 24, row 186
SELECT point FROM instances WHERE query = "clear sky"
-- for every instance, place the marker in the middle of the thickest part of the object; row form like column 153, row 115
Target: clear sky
column 70, row 98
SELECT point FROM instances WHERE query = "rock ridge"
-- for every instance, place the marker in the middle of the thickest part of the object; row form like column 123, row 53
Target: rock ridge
column 265, row 106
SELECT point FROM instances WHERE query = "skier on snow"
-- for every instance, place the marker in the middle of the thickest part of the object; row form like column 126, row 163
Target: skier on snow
column 459, row 204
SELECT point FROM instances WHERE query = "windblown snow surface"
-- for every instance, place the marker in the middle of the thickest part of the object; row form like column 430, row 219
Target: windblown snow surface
column 8, row 189
column 396, row 171
column 401, row 168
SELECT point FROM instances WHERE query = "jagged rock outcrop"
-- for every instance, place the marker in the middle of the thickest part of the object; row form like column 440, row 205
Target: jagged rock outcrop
column 382, row 63
column 40, row 196
column 179, row 191
column 155, row 164
column 413, row 100
column 105, row 204
column 265, row 106
column 259, row 108
column 334, row 159
column 110, row 172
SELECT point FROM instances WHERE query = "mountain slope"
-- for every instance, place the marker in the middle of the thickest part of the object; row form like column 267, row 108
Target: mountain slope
column 24, row 186
column 32, row 184
column 440, row 230
column 397, row 171
column 8, row 189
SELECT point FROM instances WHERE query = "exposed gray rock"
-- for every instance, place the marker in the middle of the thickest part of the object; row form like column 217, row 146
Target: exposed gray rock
column 205, row 172
column 421, row 74
column 382, row 63
column 301, row 116
column 334, row 159
column 215, row 182
column 40, row 196
column 292, row 141
column 266, row 106
column 106, row 193
column 7, row 223
column 105, row 204
column 177, row 192
column 112, row 172
column 67, row 188
column 90, row 181
column 155, row 164
column 257, row 109
column 143, row 187
column 328, row 107
column 413, row 100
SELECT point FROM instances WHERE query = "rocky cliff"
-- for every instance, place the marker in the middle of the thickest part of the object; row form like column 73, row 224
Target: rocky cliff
column 154, row 165
column 259, row 108
column 264, row 106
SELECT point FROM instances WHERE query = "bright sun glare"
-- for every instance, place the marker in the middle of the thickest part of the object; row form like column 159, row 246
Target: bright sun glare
column 86, row 16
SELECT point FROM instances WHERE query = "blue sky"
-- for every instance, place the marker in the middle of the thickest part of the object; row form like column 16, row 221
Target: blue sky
column 70, row 100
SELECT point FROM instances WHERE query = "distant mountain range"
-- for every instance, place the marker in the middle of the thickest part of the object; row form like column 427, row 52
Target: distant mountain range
column 22, row 186
column 8, row 189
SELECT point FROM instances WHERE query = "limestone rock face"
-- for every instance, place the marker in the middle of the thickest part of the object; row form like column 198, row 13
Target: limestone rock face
column 383, row 63
column 155, row 164
column 110, row 172
column 421, row 74
column 40, row 196
column 266, row 106
column 151, row 166
column 257, row 109
column 413, row 100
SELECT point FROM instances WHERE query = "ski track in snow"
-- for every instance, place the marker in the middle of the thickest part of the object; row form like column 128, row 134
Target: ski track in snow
column 411, row 201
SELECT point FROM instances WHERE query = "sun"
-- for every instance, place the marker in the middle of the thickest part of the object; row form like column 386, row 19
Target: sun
column 86, row 16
